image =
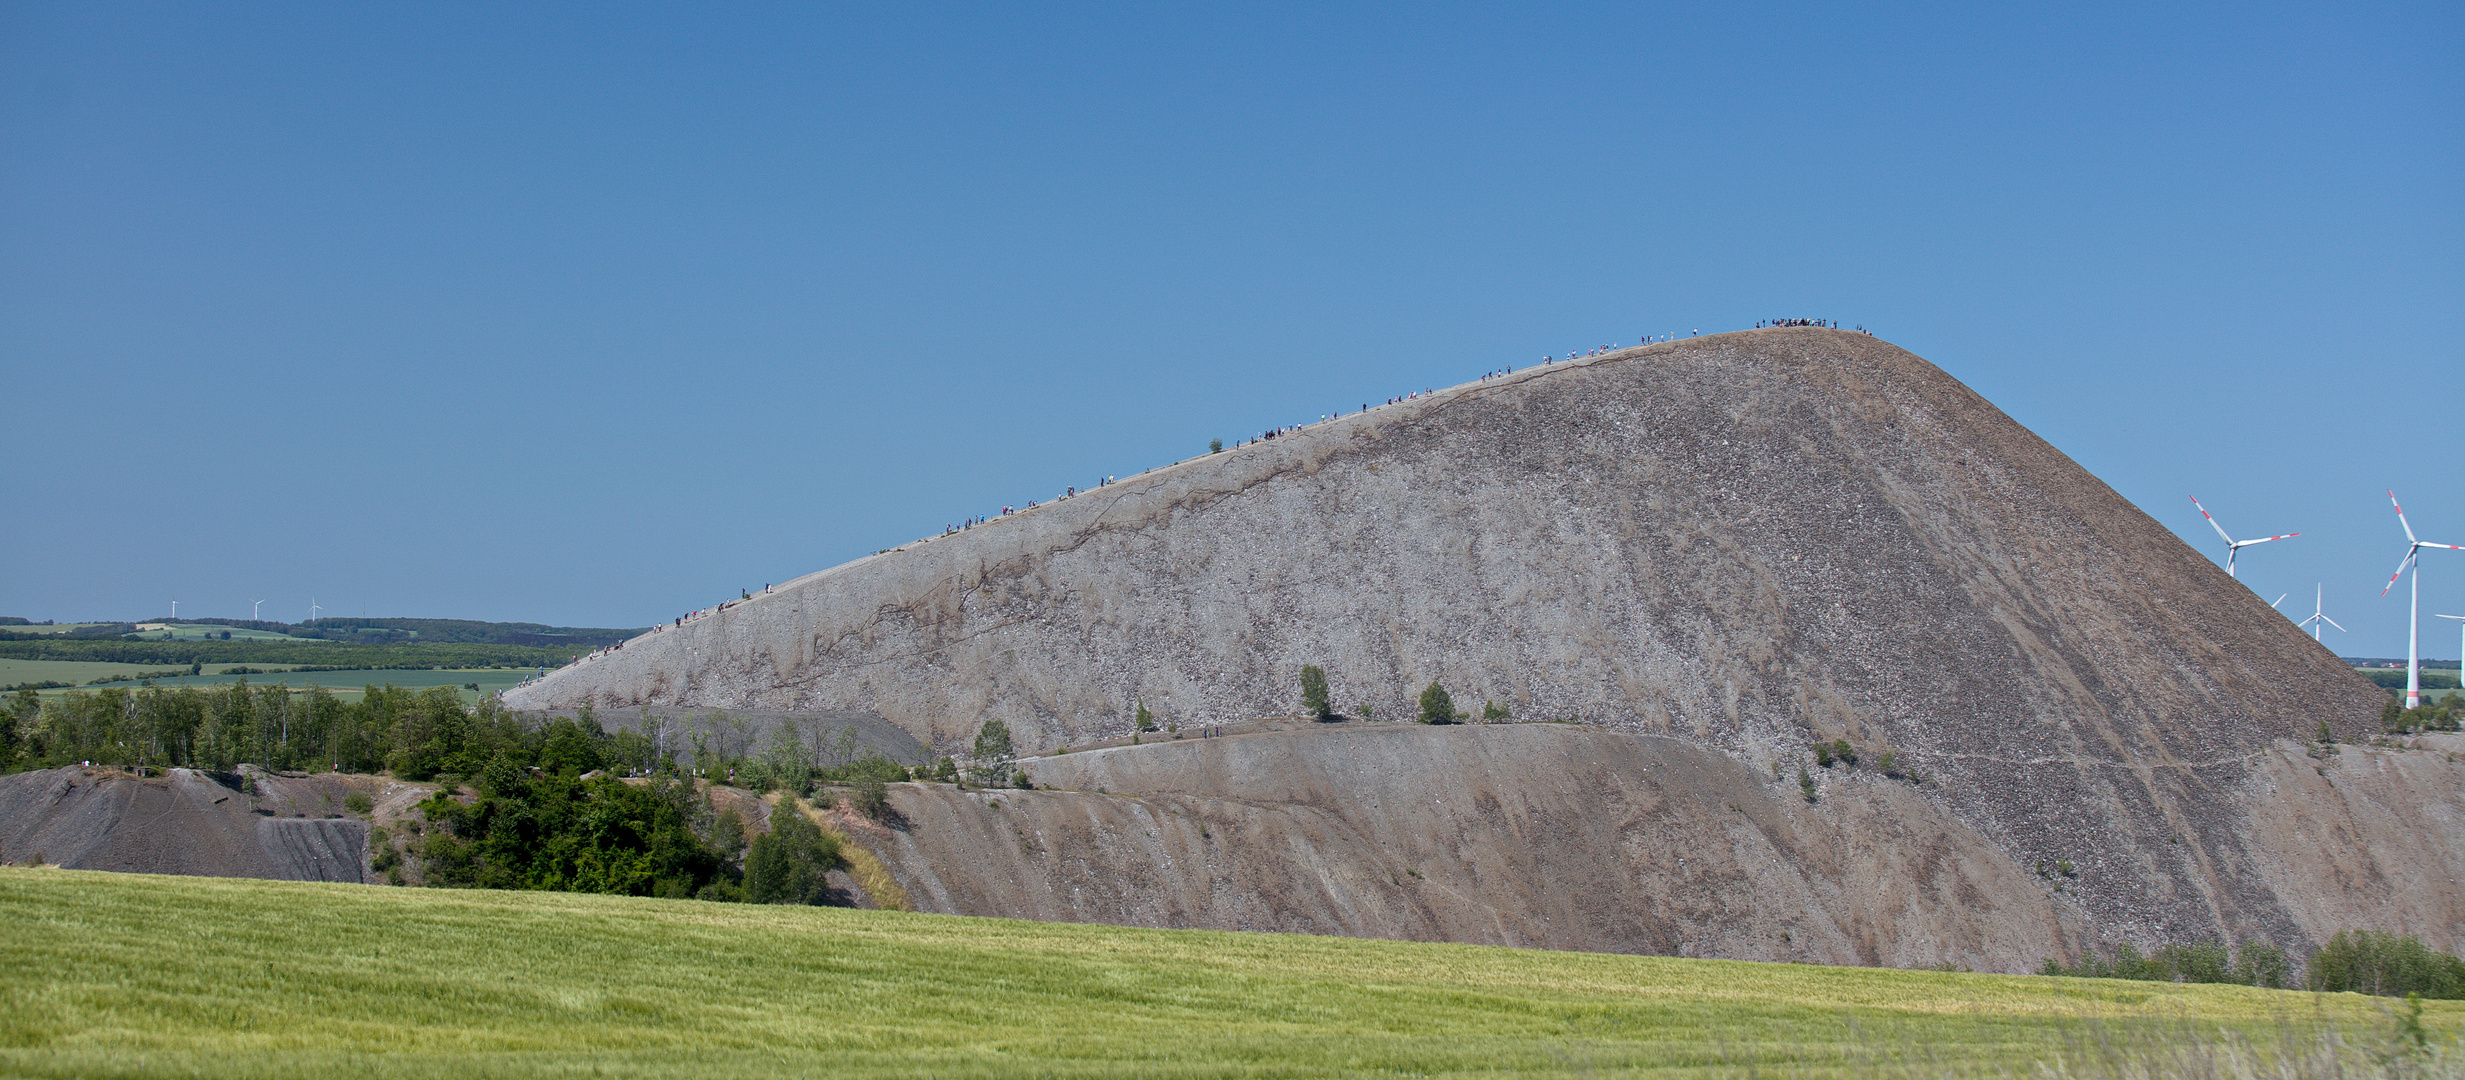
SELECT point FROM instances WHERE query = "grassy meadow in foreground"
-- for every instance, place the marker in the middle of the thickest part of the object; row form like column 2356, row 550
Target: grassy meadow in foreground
column 110, row 975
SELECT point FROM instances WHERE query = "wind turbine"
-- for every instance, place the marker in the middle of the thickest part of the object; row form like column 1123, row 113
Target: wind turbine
column 2232, row 545
column 2319, row 612
column 252, row 609
column 2413, row 622
column 312, row 609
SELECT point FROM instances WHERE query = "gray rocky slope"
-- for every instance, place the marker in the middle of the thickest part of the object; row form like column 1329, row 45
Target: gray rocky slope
column 1747, row 543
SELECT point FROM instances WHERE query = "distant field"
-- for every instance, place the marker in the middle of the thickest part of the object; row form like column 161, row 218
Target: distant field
column 80, row 672
column 210, row 631
column 125, row 975
column 346, row 684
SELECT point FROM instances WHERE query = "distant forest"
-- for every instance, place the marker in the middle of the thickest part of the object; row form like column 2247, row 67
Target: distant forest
column 305, row 655
column 374, row 631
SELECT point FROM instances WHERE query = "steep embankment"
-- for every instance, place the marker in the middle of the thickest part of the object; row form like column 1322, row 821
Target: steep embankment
column 1556, row 836
column 1542, row 835
column 1749, row 542
column 251, row 824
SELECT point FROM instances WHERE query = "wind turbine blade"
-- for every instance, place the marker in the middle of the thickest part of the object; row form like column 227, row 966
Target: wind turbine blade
column 2331, row 622
column 2451, row 547
column 2212, row 521
column 2409, row 528
column 2265, row 539
column 2279, row 600
column 2408, row 560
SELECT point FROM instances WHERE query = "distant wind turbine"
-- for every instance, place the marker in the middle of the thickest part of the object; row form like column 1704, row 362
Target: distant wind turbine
column 175, row 611
column 2319, row 612
column 2460, row 644
column 252, row 609
column 2232, row 545
column 312, row 609
column 2413, row 622
column 2279, row 600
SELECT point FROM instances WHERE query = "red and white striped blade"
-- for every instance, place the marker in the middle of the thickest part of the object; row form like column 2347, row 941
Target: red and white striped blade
column 2264, row 539
column 2212, row 521
column 2401, row 565
column 2409, row 528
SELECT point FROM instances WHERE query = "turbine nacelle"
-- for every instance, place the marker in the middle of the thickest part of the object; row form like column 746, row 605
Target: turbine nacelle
column 2319, row 612
column 2233, row 546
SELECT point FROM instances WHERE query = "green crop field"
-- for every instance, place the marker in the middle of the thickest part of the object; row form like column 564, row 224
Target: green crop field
column 81, row 672
column 214, row 631
column 128, row 975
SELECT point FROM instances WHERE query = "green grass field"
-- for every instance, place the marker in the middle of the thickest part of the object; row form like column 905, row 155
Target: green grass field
column 128, row 975
column 81, row 672
column 208, row 631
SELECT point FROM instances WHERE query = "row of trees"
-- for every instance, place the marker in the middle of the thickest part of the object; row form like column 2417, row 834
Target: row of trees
column 1437, row 706
column 414, row 734
column 2361, row 961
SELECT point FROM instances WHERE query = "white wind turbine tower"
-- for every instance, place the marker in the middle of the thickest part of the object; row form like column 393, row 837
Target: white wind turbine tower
column 2413, row 622
column 2319, row 612
column 2460, row 664
column 2232, row 545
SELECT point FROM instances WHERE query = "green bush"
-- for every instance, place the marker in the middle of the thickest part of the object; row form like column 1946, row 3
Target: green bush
column 358, row 802
column 870, row 796
column 2254, row 964
column 1823, row 755
column 992, row 754
column 1436, row 706
column 1806, row 785
column 1314, row 693
column 1145, row 720
column 786, row 865
column 2386, row 964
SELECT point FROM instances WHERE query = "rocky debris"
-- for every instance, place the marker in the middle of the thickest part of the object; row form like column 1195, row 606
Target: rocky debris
column 249, row 823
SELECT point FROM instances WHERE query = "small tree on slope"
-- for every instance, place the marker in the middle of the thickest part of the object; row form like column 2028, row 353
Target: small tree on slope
column 1314, row 693
column 1436, row 706
column 992, row 753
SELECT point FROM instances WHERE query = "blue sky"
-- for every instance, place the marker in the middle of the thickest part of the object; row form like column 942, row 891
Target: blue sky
column 592, row 315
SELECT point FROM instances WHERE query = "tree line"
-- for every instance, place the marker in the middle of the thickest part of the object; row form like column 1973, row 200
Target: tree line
column 333, row 657
column 2361, row 961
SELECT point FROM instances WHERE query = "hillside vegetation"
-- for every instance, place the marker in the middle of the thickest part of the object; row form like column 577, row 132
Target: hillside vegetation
column 110, row 974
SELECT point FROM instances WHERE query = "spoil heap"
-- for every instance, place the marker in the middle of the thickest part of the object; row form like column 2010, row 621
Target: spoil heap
column 1752, row 543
